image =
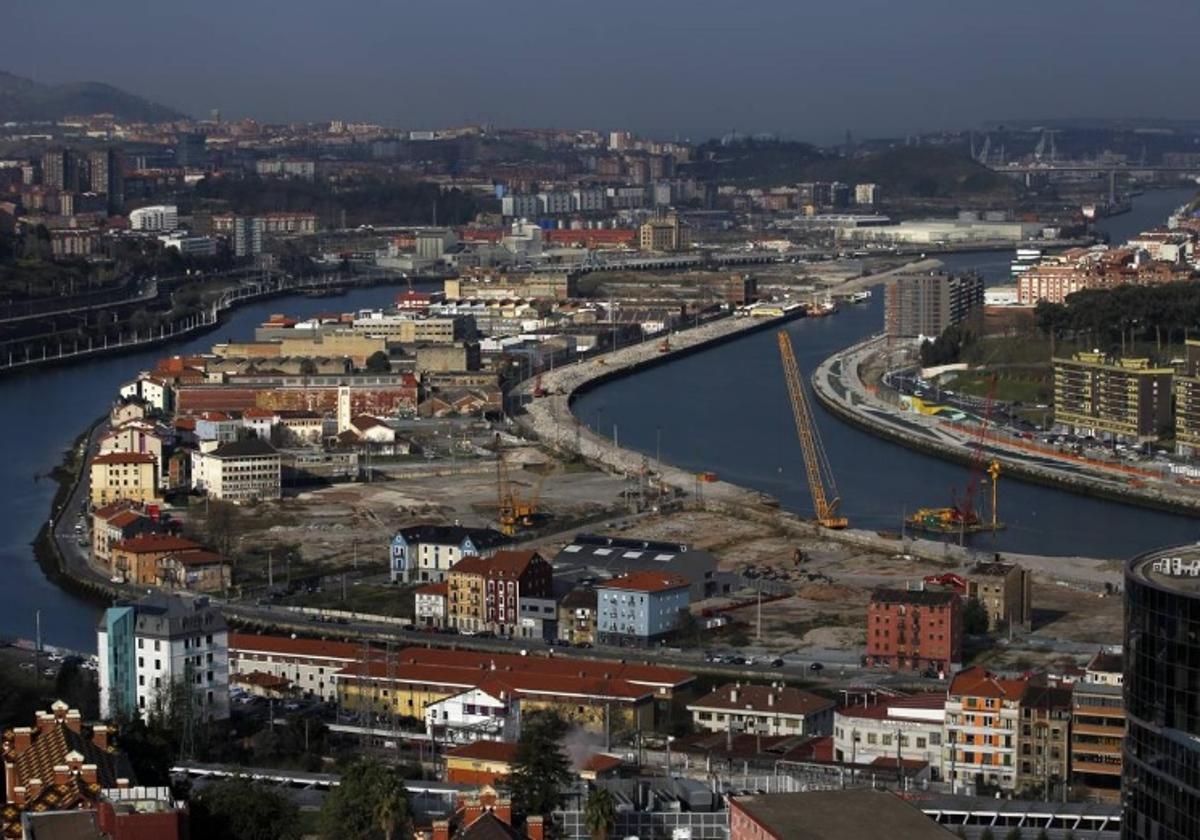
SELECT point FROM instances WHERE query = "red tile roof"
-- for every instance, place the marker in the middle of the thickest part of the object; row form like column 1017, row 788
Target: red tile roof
column 197, row 558
column 501, row 564
column 505, row 751
column 124, row 458
column 883, row 708
column 602, row 763
column 475, row 661
column 124, row 519
column 763, row 698
column 244, row 643
column 155, row 544
column 646, row 582
column 978, row 682
column 442, row 589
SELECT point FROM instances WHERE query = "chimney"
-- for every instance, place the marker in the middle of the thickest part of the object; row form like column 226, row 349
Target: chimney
column 503, row 811
column 62, row 774
column 441, row 830
column 22, row 739
column 74, row 721
column 733, row 695
column 472, row 810
column 33, row 787
column 45, row 722
column 100, row 736
column 122, row 784
column 59, row 709
column 534, row 828
column 89, row 774
column 18, row 795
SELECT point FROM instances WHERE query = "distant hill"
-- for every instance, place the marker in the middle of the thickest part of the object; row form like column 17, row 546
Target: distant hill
column 917, row 172
column 24, row 100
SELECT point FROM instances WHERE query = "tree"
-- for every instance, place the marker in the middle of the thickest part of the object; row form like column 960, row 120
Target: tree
column 221, row 525
column 243, row 809
column 541, row 770
column 600, row 813
column 975, row 617
column 370, row 801
column 688, row 629
column 378, row 362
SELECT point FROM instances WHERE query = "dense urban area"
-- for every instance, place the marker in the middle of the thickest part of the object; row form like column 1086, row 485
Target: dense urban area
column 366, row 566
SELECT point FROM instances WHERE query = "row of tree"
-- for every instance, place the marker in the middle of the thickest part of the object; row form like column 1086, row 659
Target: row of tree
column 1113, row 319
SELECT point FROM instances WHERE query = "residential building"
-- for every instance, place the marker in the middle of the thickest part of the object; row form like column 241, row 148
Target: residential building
column 60, row 170
column 242, row 471
column 830, row 815
column 486, row 713
column 577, row 617
column 924, row 305
column 866, row 195
column 58, row 765
column 194, row 571
column 486, row 817
column 640, row 608
column 480, row 763
column 415, row 680
column 1098, row 722
column 131, row 476
column 247, row 236
column 1186, row 387
column 1043, row 742
column 136, row 560
column 774, row 709
column 483, row 593
column 1161, row 749
column 430, row 604
column 983, row 713
column 426, row 552
column 136, row 436
column 159, row 218
column 1004, row 591
column 114, row 523
column 162, row 650
column 915, row 630
column 615, row 556
column 908, row 727
column 106, row 177
column 308, row 665
column 664, row 234
column 1125, row 399
column 538, row 618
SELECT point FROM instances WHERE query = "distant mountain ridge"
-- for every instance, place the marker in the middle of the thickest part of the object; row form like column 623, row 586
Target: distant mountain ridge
column 24, row 100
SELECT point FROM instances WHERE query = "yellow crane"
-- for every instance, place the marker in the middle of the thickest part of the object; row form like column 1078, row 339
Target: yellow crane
column 816, row 462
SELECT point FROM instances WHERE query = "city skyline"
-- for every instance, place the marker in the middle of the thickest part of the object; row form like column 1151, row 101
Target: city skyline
column 692, row 71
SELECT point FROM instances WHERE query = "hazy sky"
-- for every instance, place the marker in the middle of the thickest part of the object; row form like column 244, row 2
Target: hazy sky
column 663, row 67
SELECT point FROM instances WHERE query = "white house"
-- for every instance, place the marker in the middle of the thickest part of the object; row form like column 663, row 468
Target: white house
column 773, row 709
column 473, row 715
column 242, row 471
column 431, row 604
column 909, row 726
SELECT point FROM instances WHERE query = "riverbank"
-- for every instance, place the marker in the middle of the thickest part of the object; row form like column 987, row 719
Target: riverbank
column 838, row 386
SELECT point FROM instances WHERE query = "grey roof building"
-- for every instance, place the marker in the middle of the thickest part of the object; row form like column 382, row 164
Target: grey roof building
column 613, row 556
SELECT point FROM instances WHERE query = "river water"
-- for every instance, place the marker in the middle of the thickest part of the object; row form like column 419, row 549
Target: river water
column 727, row 410
column 724, row 410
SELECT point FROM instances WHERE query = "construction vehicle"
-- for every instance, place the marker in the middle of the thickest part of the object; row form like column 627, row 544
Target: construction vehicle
column 962, row 517
column 816, row 462
column 516, row 512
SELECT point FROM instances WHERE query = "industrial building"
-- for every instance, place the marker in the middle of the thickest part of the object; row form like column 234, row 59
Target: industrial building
column 923, row 305
column 614, row 556
column 1125, row 399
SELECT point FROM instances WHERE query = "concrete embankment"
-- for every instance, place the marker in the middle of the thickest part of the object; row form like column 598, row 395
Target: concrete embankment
column 838, row 385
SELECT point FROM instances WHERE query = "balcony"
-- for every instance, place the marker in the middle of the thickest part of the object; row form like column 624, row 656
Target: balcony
column 1099, row 768
column 1098, row 730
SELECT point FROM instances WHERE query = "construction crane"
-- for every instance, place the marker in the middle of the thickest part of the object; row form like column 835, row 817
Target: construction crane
column 514, row 512
column 816, row 462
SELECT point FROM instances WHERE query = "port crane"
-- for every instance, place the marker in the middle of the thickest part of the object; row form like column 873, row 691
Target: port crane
column 816, row 462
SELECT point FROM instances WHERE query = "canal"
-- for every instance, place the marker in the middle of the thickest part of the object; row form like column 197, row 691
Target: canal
column 727, row 410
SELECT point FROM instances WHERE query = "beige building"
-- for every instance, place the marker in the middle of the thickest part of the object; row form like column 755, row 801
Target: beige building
column 1003, row 589
column 135, row 436
column 1187, row 402
column 448, row 358
column 773, row 709
column 1125, row 398
column 243, row 471
column 1098, row 722
column 308, row 664
column 1043, row 746
column 124, row 475
column 408, row 330
column 667, row 234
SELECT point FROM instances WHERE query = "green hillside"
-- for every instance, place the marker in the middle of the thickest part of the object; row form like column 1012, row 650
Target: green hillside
column 24, row 100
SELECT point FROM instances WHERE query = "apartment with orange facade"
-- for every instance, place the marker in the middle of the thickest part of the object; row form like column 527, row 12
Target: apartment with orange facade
column 983, row 713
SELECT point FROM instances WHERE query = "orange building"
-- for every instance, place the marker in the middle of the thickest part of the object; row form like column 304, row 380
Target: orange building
column 983, row 714
column 917, row 630
column 480, row 763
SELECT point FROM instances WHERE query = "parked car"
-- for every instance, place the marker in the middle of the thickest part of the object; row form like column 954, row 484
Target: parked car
column 816, row 666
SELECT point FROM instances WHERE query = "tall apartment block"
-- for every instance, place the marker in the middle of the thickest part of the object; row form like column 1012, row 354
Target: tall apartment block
column 1124, row 399
column 925, row 304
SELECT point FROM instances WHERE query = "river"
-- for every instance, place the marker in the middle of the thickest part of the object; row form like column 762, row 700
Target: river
column 46, row 409
column 727, row 410
column 724, row 410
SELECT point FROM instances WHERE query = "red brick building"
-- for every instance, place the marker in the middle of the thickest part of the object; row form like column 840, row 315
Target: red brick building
column 915, row 630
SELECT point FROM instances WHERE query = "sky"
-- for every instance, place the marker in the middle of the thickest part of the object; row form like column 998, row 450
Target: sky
column 662, row 68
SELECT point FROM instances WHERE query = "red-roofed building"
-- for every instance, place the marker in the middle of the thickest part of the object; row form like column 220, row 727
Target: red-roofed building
column 484, row 593
column 136, row 560
column 640, row 608
column 773, row 709
column 915, row 629
column 983, row 719
column 911, row 726
column 124, row 475
column 114, row 523
column 481, row 762
column 308, row 663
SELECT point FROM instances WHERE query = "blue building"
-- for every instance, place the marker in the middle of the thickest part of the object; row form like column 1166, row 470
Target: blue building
column 641, row 608
column 425, row 553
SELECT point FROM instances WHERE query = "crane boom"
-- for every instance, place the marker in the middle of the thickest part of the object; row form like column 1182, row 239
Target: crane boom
column 816, row 462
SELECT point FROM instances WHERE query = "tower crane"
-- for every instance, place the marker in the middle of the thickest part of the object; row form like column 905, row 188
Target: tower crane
column 816, row 462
